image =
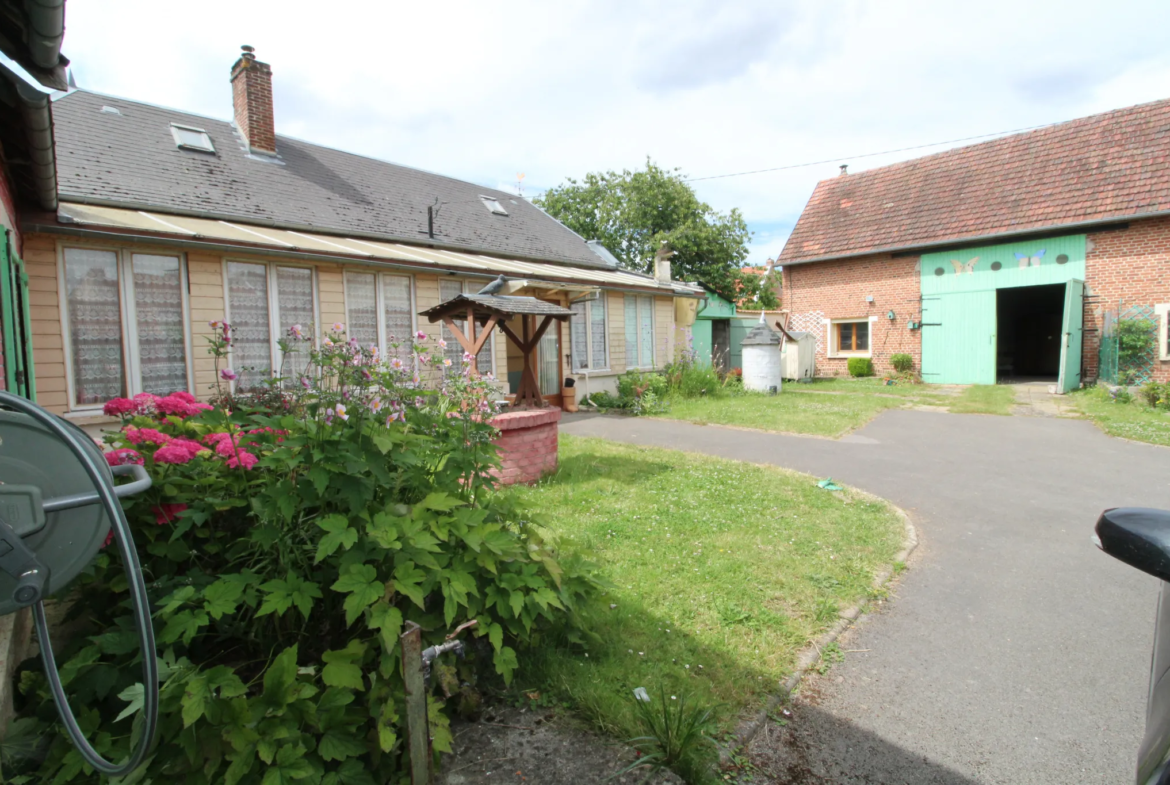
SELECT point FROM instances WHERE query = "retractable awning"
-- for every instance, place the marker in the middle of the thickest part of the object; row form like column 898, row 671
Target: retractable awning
column 180, row 228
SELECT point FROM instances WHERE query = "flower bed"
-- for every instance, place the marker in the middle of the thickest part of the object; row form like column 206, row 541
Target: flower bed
column 290, row 532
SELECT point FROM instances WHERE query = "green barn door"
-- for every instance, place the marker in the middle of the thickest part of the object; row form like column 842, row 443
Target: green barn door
column 1071, row 335
column 958, row 338
column 15, row 324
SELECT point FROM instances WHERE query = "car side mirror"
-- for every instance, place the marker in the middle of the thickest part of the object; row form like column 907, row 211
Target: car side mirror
column 1138, row 536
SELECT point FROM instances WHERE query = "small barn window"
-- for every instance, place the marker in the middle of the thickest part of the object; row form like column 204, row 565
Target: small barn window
column 851, row 337
column 189, row 138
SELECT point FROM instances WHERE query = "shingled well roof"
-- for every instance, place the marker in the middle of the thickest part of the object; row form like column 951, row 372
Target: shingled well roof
column 129, row 158
column 1108, row 167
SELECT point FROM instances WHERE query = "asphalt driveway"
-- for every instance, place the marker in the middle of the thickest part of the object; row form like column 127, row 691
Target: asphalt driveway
column 1013, row 651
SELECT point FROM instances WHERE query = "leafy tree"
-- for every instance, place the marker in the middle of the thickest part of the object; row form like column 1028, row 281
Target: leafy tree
column 632, row 213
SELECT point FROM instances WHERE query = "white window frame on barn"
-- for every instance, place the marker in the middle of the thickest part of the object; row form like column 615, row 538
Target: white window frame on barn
column 583, row 327
column 639, row 330
column 277, row 328
column 1162, row 312
column 128, row 298
column 382, row 306
column 454, row 350
column 836, row 351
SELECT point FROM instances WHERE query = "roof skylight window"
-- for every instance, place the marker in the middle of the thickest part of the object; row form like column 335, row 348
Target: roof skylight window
column 493, row 204
column 189, row 138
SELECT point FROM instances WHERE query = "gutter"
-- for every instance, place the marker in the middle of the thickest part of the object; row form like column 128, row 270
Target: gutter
column 953, row 242
column 38, row 123
column 46, row 29
column 38, row 224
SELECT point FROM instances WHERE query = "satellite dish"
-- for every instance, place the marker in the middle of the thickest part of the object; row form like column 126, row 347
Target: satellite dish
column 58, row 503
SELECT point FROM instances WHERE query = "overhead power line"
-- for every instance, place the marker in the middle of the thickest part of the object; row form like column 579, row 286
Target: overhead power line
column 866, row 155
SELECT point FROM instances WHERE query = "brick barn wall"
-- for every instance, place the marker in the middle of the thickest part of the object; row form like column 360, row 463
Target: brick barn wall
column 812, row 293
column 1130, row 265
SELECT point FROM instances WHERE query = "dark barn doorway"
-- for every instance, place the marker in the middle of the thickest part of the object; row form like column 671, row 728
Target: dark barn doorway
column 1029, row 332
column 721, row 344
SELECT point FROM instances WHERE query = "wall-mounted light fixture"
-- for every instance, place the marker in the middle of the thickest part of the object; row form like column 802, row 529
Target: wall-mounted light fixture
column 869, row 298
column 891, row 316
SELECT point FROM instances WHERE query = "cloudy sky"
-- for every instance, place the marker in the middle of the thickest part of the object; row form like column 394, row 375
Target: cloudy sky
column 487, row 90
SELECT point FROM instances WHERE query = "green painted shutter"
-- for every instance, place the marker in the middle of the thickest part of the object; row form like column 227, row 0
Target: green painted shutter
column 1071, row 336
column 958, row 338
column 15, row 323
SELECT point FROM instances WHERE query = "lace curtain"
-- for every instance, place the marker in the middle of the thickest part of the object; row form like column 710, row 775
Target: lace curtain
column 630, row 309
column 578, row 336
column 597, row 336
column 646, row 330
column 294, row 303
column 398, row 316
column 248, row 305
column 158, row 305
column 95, row 324
column 548, row 353
column 361, row 302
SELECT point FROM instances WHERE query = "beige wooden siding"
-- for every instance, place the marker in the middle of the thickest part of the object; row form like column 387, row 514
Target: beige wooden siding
column 206, row 288
column 331, row 296
column 663, row 331
column 40, row 258
column 616, row 313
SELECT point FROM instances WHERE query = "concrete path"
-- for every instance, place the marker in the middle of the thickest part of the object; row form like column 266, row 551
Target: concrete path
column 1012, row 650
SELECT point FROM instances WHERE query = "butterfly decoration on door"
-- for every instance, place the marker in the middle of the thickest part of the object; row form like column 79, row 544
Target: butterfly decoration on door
column 1030, row 261
column 968, row 266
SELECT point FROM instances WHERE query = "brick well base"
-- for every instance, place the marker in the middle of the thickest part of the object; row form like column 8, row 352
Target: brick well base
column 527, row 444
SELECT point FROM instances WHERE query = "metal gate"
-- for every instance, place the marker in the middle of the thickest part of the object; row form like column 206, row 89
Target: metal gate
column 15, row 323
column 1129, row 345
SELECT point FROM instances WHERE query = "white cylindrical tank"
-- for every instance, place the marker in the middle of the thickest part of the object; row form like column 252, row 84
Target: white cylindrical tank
column 761, row 359
column 798, row 360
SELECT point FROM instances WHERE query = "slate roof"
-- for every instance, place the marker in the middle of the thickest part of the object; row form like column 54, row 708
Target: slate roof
column 1105, row 167
column 130, row 160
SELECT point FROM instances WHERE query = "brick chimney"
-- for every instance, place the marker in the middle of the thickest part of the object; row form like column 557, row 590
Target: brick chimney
column 252, row 100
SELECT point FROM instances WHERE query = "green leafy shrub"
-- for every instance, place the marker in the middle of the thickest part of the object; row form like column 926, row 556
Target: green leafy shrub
column 1155, row 395
column 285, row 543
column 687, row 379
column 860, row 366
column 604, row 400
column 642, row 392
column 903, row 363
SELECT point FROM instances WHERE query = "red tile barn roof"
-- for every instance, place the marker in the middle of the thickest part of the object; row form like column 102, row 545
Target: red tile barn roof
column 1105, row 167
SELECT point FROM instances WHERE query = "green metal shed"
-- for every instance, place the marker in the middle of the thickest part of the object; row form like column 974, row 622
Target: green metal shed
column 712, row 331
column 998, row 312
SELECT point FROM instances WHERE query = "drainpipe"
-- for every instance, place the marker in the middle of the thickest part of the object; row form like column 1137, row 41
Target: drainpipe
column 46, row 28
column 38, row 123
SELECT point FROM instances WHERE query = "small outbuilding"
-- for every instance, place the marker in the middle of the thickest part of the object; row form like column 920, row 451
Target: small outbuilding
column 761, row 358
column 798, row 356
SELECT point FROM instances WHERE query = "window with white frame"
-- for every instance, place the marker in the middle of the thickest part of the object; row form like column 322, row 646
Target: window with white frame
column 588, row 334
column 263, row 302
column 126, row 324
column 380, row 311
column 850, row 337
column 639, row 315
column 485, row 361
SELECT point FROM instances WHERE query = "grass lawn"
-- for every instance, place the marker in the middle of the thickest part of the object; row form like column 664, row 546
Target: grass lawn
column 830, row 408
column 721, row 572
column 1132, row 420
column 984, row 399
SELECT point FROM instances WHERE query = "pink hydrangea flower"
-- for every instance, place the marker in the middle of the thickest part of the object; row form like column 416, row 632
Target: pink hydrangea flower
column 244, row 458
column 189, row 445
column 186, row 397
column 145, row 403
column 172, row 454
column 123, row 457
column 227, row 447
column 118, row 407
column 147, row 435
